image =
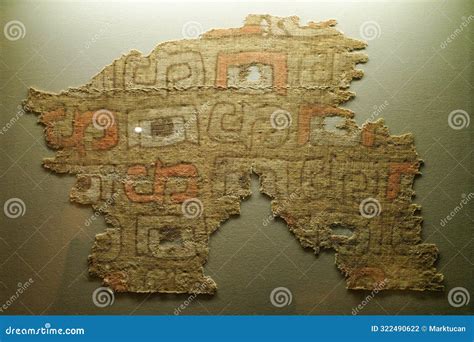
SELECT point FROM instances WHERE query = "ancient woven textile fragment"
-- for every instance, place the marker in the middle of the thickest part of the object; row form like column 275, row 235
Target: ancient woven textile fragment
column 163, row 146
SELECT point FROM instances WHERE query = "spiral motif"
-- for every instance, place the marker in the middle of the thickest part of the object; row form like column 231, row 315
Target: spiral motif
column 458, row 296
column 280, row 119
column 192, row 208
column 103, row 119
column 192, row 29
column 102, row 297
column 280, row 297
column 14, row 30
column 459, row 119
column 370, row 208
column 14, row 207
column 369, row 30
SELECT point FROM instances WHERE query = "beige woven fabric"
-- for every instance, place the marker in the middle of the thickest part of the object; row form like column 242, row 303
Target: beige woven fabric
column 163, row 146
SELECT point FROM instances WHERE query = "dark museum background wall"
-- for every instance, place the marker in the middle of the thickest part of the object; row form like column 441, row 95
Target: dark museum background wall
column 414, row 79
